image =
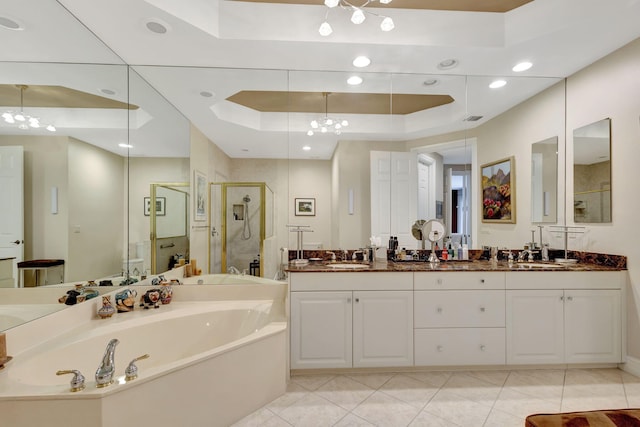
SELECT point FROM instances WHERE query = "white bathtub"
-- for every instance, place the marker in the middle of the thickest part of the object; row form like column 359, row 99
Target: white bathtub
column 211, row 363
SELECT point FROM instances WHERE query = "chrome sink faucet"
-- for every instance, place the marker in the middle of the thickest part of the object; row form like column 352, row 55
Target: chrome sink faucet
column 104, row 374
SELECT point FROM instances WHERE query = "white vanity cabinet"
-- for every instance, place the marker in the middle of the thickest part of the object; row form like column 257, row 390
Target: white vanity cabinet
column 564, row 317
column 343, row 320
column 459, row 318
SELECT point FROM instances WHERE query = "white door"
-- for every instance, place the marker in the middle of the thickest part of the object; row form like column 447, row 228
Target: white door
column 593, row 331
column 321, row 330
column 535, row 325
column 381, row 194
column 12, row 197
column 382, row 328
column 404, row 197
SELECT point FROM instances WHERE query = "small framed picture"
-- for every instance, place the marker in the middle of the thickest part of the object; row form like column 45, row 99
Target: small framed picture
column 200, row 199
column 160, row 206
column 305, row 207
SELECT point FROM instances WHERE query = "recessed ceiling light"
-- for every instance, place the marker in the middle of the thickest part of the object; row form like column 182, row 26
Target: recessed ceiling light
column 448, row 64
column 108, row 91
column 430, row 82
column 361, row 61
column 123, row 145
column 354, row 80
column 157, row 26
column 306, row 148
column 522, row 66
column 10, row 24
column 497, row 84
column 206, row 94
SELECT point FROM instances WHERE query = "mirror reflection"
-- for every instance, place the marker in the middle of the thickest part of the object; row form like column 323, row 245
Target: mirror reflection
column 544, row 181
column 592, row 173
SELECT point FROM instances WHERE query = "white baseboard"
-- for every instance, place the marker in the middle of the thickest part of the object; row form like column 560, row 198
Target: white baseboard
column 631, row 365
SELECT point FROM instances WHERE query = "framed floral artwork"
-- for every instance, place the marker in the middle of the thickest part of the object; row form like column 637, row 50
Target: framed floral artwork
column 498, row 191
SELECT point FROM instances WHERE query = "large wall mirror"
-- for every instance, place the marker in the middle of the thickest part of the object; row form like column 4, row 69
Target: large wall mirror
column 592, row 173
column 544, row 181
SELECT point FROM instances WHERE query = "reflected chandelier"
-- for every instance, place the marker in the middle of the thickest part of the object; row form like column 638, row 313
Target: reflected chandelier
column 358, row 15
column 327, row 124
column 25, row 121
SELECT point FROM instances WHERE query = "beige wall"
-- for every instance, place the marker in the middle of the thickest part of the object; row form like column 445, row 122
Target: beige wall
column 96, row 227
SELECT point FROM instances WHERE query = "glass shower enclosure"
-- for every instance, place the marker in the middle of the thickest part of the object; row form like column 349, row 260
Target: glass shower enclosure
column 241, row 221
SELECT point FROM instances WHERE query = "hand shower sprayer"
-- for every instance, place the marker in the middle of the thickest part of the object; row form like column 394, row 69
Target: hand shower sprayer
column 246, row 227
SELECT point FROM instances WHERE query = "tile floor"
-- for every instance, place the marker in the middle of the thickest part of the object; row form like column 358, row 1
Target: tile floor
column 444, row 399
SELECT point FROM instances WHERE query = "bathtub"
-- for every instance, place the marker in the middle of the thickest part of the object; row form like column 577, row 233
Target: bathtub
column 211, row 363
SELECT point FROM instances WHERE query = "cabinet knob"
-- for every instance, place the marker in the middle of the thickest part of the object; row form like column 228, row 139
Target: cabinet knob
column 561, row 298
column 440, row 348
column 357, row 299
column 569, row 298
column 482, row 309
column 439, row 281
column 481, row 280
column 483, row 348
column 439, row 309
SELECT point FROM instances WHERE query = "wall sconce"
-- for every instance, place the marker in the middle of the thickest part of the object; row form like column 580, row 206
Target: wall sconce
column 54, row 200
column 350, row 201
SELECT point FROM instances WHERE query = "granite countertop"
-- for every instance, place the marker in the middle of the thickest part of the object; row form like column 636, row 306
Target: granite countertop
column 472, row 265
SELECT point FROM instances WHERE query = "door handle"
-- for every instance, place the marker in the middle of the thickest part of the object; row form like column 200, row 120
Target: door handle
column 17, row 242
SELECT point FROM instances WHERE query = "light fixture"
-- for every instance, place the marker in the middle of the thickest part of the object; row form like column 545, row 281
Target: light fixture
column 24, row 121
column 522, row 66
column 327, row 124
column 497, row 84
column 448, row 64
column 354, row 80
column 306, row 148
column 125, row 145
column 361, row 61
column 358, row 14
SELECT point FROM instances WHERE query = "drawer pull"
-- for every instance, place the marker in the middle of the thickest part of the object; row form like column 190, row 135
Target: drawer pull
column 569, row 298
column 357, row 299
column 439, row 309
column 482, row 309
column 481, row 280
column 439, row 281
column 440, row 348
column 483, row 348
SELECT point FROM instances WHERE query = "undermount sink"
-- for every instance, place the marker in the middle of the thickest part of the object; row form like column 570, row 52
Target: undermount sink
column 537, row 265
column 348, row 266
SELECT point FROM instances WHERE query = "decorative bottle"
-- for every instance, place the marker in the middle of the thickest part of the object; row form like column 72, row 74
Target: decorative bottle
column 107, row 308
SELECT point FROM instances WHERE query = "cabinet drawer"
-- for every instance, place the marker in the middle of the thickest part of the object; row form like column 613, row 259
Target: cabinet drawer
column 565, row 279
column 441, row 309
column 464, row 346
column 348, row 281
column 459, row 280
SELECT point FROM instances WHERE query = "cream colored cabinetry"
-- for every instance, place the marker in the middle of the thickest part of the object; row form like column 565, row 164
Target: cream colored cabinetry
column 459, row 318
column 342, row 320
column 564, row 317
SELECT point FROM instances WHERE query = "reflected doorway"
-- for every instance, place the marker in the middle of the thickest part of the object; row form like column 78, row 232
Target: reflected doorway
column 169, row 217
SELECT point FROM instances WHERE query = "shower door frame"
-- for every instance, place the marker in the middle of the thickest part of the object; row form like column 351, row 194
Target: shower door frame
column 223, row 221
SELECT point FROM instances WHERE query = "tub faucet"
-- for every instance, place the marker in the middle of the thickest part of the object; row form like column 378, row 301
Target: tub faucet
column 233, row 270
column 104, row 374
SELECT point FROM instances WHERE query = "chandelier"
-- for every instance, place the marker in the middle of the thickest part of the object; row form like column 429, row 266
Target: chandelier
column 358, row 14
column 25, row 121
column 327, row 124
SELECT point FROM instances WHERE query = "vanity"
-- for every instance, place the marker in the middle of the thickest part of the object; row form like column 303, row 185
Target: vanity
column 474, row 313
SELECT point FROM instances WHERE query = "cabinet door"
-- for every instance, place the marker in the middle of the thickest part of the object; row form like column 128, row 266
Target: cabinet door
column 535, row 326
column 382, row 328
column 592, row 326
column 321, row 324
